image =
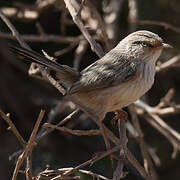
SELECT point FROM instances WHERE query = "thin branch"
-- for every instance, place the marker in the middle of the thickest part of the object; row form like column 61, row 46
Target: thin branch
column 73, row 132
column 28, row 170
column 66, row 50
column 13, row 128
column 74, row 9
column 44, row 38
column 49, row 173
column 41, row 134
column 101, row 24
column 53, row 82
column 13, row 30
column 171, row 62
column 148, row 165
column 119, row 173
column 29, row 145
column 115, row 140
column 152, row 118
column 136, row 164
column 159, row 23
column 65, row 120
column 89, row 162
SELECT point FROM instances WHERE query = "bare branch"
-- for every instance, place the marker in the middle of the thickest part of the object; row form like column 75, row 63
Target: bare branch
column 171, row 62
column 148, row 165
column 159, row 23
column 74, row 9
column 13, row 128
column 89, row 162
column 49, row 173
column 44, row 38
column 152, row 118
column 13, row 30
column 29, row 146
column 73, row 132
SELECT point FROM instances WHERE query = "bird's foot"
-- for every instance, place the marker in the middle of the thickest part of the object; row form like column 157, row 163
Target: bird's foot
column 119, row 114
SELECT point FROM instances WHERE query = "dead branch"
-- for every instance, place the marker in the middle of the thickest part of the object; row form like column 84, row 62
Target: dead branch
column 152, row 118
column 44, row 38
column 148, row 165
column 74, row 9
column 170, row 63
column 13, row 30
column 29, row 146
column 49, row 173
column 65, row 120
column 89, row 162
column 159, row 23
column 13, row 128
column 100, row 23
column 73, row 132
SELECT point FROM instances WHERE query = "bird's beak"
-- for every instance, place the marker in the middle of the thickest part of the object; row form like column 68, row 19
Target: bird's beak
column 166, row 46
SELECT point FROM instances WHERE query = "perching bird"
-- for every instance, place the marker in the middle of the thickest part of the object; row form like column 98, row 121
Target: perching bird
column 114, row 81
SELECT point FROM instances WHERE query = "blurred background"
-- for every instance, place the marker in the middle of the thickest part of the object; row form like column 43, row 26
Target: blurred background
column 47, row 25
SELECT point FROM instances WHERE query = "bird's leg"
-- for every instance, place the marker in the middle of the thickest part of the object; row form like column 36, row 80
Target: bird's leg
column 119, row 114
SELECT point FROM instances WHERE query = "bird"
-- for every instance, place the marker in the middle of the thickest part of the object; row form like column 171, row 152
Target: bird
column 116, row 80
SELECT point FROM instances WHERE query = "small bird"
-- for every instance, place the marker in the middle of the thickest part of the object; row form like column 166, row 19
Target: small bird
column 114, row 81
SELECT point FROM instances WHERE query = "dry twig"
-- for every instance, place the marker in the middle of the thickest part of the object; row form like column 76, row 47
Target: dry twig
column 44, row 38
column 89, row 162
column 148, row 165
column 29, row 146
column 74, row 9
column 49, row 173
column 73, row 132
column 170, row 63
column 159, row 23
column 152, row 118
column 13, row 128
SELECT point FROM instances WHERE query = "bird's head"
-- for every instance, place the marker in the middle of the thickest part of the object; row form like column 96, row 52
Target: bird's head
column 143, row 45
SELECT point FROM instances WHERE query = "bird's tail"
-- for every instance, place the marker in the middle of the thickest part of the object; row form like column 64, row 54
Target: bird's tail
column 64, row 73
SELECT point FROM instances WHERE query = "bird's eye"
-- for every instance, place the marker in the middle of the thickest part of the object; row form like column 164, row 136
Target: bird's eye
column 144, row 44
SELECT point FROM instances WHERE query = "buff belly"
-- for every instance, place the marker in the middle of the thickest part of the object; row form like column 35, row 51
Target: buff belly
column 128, row 92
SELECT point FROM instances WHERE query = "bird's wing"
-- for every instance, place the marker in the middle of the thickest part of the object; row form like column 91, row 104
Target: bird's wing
column 104, row 75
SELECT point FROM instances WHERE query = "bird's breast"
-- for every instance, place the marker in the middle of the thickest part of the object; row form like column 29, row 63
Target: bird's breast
column 128, row 92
